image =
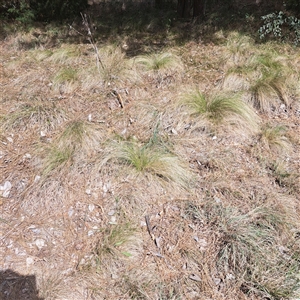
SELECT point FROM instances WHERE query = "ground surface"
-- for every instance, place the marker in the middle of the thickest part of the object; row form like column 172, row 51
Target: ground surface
column 83, row 220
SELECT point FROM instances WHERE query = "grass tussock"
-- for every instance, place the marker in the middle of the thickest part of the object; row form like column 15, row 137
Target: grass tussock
column 66, row 80
column 248, row 249
column 267, row 78
column 150, row 158
column 275, row 138
column 112, row 242
column 220, row 109
column 114, row 66
column 46, row 116
column 77, row 141
column 160, row 62
column 66, row 54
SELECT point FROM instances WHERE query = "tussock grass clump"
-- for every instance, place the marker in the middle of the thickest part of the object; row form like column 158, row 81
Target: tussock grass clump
column 45, row 115
column 159, row 62
column 274, row 138
column 267, row 78
column 238, row 47
column 248, row 249
column 66, row 80
column 221, row 108
column 150, row 158
column 160, row 67
column 114, row 66
column 66, row 54
column 111, row 240
column 77, row 141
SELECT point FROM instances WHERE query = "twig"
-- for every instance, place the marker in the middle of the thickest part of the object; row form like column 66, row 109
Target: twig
column 149, row 227
column 91, row 40
column 119, row 98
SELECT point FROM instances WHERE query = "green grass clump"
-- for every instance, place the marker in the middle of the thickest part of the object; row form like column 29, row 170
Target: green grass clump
column 159, row 62
column 274, row 138
column 150, row 158
column 38, row 113
column 221, row 109
column 78, row 139
column 66, row 75
column 267, row 78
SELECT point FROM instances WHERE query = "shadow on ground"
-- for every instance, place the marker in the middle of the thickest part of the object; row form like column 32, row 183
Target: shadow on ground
column 14, row 286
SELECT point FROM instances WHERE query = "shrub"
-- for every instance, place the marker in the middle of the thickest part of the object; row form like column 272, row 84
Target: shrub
column 280, row 26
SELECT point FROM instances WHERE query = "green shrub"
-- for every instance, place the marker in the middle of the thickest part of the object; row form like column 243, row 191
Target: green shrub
column 280, row 26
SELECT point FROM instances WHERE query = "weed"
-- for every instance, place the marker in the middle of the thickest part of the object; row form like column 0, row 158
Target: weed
column 112, row 238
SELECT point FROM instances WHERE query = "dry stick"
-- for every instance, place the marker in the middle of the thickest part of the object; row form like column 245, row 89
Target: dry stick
column 92, row 42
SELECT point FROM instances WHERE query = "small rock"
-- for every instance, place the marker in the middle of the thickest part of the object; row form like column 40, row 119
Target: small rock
column 217, row 281
column 6, row 187
column 37, row 178
column 10, row 139
column 27, row 156
column 111, row 213
column 91, row 207
column 29, row 261
column 40, row 243
column 88, row 192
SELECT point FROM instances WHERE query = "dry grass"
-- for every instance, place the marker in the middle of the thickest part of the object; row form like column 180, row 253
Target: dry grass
column 142, row 198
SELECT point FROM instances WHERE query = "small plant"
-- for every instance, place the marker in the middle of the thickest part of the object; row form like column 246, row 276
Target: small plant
column 274, row 23
column 66, row 75
column 156, row 62
column 220, row 109
column 65, row 54
column 115, row 67
column 160, row 66
column 112, row 238
column 237, row 48
column 66, row 80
